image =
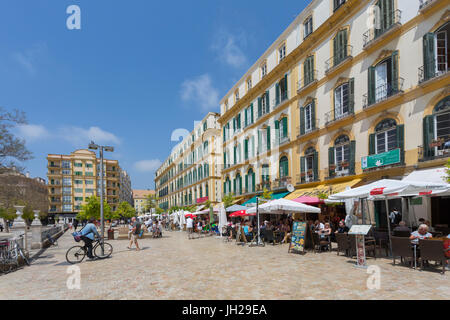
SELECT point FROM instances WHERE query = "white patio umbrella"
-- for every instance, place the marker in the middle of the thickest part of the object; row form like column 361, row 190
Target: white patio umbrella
column 222, row 218
column 182, row 219
column 281, row 206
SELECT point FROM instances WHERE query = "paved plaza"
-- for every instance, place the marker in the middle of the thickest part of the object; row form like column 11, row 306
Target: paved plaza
column 209, row 268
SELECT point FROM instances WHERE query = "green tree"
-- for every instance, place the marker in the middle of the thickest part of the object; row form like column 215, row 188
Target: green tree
column 92, row 209
column 125, row 210
column 448, row 170
column 159, row 211
column 28, row 214
column 151, row 202
column 228, row 200
column 8, row 215
column 267, row 194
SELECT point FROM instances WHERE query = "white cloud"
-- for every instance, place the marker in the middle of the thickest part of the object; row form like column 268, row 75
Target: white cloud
column 228, row 48
column 148, row 165
column 32, row 132
column 29, row 58
column 79, row 136
column 201, row 91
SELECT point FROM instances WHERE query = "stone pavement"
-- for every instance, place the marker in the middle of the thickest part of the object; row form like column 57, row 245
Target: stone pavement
column 208, row 268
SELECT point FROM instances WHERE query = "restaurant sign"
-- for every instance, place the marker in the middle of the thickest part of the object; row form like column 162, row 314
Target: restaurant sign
column 381, row 159
column 202, row 200
column 297, row 243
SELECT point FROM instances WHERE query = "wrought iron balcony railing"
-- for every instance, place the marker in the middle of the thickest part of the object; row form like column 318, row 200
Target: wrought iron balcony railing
column 282, row 182
column 332, row 116
column 372, row 34
column 308, row 130
column 283, row 97
column 425, row 3
column 341, row 55
column 432, row 70
column 383, row 92
column 308, row 80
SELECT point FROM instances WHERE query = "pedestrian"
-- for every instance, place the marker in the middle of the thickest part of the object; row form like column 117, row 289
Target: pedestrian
column 189, row 226
column 1, row 227
column 75, row 225
column 87, row 235
column 136, row 229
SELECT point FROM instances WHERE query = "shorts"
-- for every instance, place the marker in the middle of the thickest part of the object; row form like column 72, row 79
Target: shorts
column 190, row 230
column 133, row 237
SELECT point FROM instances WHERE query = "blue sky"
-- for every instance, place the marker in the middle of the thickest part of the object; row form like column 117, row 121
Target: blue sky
column 136, row 71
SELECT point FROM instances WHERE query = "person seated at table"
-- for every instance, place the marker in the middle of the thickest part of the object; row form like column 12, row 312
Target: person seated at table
column 326, row 231
column 248, row 231
column 421, row 233
column 318, row 226
column 430, row 228
column 401, row 228
column 342, row 227
column 286, row 229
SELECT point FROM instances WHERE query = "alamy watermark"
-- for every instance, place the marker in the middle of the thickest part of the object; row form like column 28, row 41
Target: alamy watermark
column 74, row 280
column 73, row 22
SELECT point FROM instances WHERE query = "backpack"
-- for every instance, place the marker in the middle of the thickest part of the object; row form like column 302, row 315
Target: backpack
column 77, row 236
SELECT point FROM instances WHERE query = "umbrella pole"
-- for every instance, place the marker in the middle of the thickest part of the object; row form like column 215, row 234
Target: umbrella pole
column 389, row 225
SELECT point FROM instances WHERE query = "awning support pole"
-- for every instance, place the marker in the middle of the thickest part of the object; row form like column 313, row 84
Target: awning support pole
column 389, row 225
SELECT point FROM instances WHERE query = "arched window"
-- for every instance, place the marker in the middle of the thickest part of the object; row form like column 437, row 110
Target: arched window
column 238, row 184
column 227, row 186
column 206, row 170
column 342, row 154
column 436, row 131
column 309, row 166
column 436, row 53
column 265, row 178
column 250, row 181
column 284, row 167
column 205, row 148
column 201, row 192
column 200, row 172
column 386, row 136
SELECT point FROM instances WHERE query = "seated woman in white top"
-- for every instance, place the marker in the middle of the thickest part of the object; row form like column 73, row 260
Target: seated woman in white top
column 421, row 233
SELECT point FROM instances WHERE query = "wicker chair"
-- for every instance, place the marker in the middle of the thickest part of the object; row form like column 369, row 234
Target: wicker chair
column 319, row 243
column 342, row 243
column 401, row 247
column 432, row 250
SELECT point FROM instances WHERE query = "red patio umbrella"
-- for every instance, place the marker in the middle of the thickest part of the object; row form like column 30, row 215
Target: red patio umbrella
column 241, row 213
column 190, row 215
column 308, row 200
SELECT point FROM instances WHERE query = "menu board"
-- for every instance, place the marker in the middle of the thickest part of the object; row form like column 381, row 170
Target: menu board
column 298, row 237
column 360, row 229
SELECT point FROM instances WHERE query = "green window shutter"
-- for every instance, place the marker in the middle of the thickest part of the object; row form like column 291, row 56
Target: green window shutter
column 245, row 117
column 234, row 185
column 335, row 50
column 285, row 87
column 225, row 188
column 240, row 185
column 267, row 102
column 246, row 149
column 268, row 138
column 253, row 182
column 302, row 169
column 277, row 132
column 372, row 144
column 344, row 44
column 401, row 141
column 285, row 127
column 371, row 86
column 225, row 159
column 428, row 136
column 251, row 112
column 313, row 114
column 259, row 142
column 302, row 120
column 259, row 107
column 394, row 70
column 429, row 56
column 331, row 161
column 351, row 96
column 352, row 156
column 234, row 125
column 234, row 154
column 239, row 121
column 246, row 182
column 316, row 166
column 277, row 94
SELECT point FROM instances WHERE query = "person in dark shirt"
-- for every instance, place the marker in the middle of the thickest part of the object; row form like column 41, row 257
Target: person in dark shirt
column 401, row 229
column 342, row 227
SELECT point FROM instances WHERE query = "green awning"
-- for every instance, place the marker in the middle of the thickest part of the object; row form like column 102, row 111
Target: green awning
column 274, row 197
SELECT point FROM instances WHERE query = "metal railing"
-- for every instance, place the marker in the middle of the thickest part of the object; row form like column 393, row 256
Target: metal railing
column 342, row 55
column 432, row 154
column 429, row 71
column 284, row 96
column 307, row 131
column 282, row 182
column 306, row 177
column 384, row 92
column 331, row 116
column 307, row 80
column 372, row 34
column 425, row 3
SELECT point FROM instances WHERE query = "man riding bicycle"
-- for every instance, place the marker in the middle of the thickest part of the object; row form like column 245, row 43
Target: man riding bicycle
column 87, row 235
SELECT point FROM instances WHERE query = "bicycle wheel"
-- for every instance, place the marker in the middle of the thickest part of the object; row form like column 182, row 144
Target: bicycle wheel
column 107, row 250
column 75, row 254
column 22, row 255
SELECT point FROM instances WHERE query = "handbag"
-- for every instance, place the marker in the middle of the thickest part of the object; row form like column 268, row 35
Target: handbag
column 77, row 236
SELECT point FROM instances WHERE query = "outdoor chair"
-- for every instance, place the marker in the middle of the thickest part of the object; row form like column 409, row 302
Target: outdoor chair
column 401, row 247
column 382, row 240
column 269, row 236
column 432, row 250
column 319, row 243
column 402, row 234
column 342, row 243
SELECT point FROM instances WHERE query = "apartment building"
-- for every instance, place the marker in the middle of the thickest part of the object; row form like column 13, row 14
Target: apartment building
column 192, row 173
column 74, row 178
column 140, row 200
column 352, row 91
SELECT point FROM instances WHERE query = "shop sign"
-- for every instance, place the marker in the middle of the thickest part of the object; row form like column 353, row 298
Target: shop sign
column 381, row 159
column 298, row 237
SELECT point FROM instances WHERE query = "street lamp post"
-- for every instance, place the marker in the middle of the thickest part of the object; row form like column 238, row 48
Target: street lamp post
column 101, row 149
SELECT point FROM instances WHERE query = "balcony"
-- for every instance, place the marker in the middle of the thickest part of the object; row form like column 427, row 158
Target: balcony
column 370, row 36
column 56, row 166
column 430, row 71
column 55, row 200
column 342, row 55
column 331, row 116
column 283, row 140
column 383, row 93
column 424, row 4
column 308, row 130
column 306, row 177
column 438, row 149
column 284, row 96
column 342, row 169
column 282, row 183
column 264, row 185
column 307, row 81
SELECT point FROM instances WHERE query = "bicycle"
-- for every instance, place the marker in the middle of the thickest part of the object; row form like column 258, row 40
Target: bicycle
column 76, row 254
column 9, row 257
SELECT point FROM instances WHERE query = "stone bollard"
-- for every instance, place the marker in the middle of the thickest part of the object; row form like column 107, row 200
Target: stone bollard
column 36, row 242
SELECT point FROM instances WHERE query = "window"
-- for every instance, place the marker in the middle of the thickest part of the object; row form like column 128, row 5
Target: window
column 386, row 136
column 205, row 126
column 284, row 167
column 309, row 167
column 78, row 164
column 78, row 198
column 89, row 182
column 66, row 164
column 341, row 101
column 281, row 90
column 342, row 153
column 308, row 71
column 250, row 181
column 437, row 130
column 248, row 115
column 338, row 4
column 263, row 104
column 282, row 52
column 263, row 70
column 67, row 181
column 265, row 176
column 77, row 173
column 66, row 172
column 436, row 51
column 89, row 165
column 340, row 47
column 308, row 118
column 78, row 190
column 308, row 27
column 236, row 96
column 249, row 83
column 383, row 79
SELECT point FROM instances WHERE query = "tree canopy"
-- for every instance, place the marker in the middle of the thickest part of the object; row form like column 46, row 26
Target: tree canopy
column 125, row 210
column 228, row 200
column 91, row 209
